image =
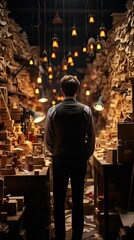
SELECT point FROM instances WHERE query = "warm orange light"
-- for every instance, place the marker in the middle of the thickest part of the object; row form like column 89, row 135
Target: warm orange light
column 61, row 98
column 55, row 43
column 49, row 69
column 91, row 19
column 39, row 80
column 31, row 62
column 72, row 64
column 84, row 49
column 87, row 92
column 58, row 98
column 64, row 64
column 74, row 32
column 53, row 102
column 64, row 67
column 53, row 55
column 102, row 31
column 70, row 59
column 85, row 85
column 50, row 76
column 45, row 59
column 98, row 46
column 91, row 46
column 36, row 91
column 54, row 90
column 76, row 54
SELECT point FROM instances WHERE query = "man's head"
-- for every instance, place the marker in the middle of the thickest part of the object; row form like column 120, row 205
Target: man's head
column 69, row 85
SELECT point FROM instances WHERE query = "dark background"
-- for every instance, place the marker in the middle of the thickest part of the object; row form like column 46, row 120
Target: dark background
column 35, row 17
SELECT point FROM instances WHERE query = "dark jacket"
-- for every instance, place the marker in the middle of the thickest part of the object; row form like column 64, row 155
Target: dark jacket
column 69, row 129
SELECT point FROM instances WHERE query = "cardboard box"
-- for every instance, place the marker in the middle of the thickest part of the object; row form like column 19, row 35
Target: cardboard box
column 20, row 201
column 114, row 221
column 124, row 153
column 111, row 155
column 12, row 207
column 125, row 131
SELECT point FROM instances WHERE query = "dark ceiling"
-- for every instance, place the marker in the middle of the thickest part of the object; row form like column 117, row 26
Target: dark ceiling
column 35, row 17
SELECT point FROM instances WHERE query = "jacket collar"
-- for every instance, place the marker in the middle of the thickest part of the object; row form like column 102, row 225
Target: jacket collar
column 69, row 98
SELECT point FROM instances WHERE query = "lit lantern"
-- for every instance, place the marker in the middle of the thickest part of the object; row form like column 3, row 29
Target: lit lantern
column 39, row 80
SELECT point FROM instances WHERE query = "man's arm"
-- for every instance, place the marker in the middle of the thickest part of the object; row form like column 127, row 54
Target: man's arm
column 49, row 132
column 90, row 136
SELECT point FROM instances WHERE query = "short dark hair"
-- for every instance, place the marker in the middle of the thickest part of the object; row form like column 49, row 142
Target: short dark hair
column 70, row 85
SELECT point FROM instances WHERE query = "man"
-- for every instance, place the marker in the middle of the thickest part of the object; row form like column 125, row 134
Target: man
column 70, row 137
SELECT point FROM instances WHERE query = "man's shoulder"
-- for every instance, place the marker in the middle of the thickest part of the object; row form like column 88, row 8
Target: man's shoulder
column 85, row 107
column 52, row 109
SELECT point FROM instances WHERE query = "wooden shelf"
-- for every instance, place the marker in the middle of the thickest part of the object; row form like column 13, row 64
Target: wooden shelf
column 3, row 81
column 16, row 93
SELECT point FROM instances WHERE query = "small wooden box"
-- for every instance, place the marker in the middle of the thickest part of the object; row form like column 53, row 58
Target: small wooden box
column 12, row 207
column 124, row 154
column 20, row 201
column 125, row 131
column 111, row 155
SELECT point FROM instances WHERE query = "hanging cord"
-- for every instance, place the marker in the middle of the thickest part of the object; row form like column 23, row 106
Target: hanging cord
column 69, row 26
column 49, row 36
column 86, row 17
column 102, row 10
column 38, row 17
column 63, row 28
column 97, row 23
column 45, row 25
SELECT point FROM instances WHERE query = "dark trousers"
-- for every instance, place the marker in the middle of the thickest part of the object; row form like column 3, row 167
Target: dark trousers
column 63, row 169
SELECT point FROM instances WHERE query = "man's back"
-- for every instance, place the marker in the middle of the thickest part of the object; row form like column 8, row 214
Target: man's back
column 70, row 128
column 70, row 123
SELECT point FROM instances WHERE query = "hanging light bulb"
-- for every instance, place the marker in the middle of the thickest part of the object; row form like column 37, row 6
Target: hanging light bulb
column 87, row 92
column 84, row 85
column 39, row 80
column 50, row 76
column 42, row 97
column 76, row 54
column 70, row 60
column 64, row 64
column 69, row 57
column 54, row 90
column 84, row 49
column 102, row 31
column 53, row 102
column 91, row 43
column 44, row 56
column 98, row 45
column 50, row 69
column 31, row 62
column 74, row 32
column 57, row 19
column 45, row 59
column 37, row 91
column 53, row 55
column 72, row 64
column 55, row 43
column 99, row 106
column 91, row 18
column 91, row 46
